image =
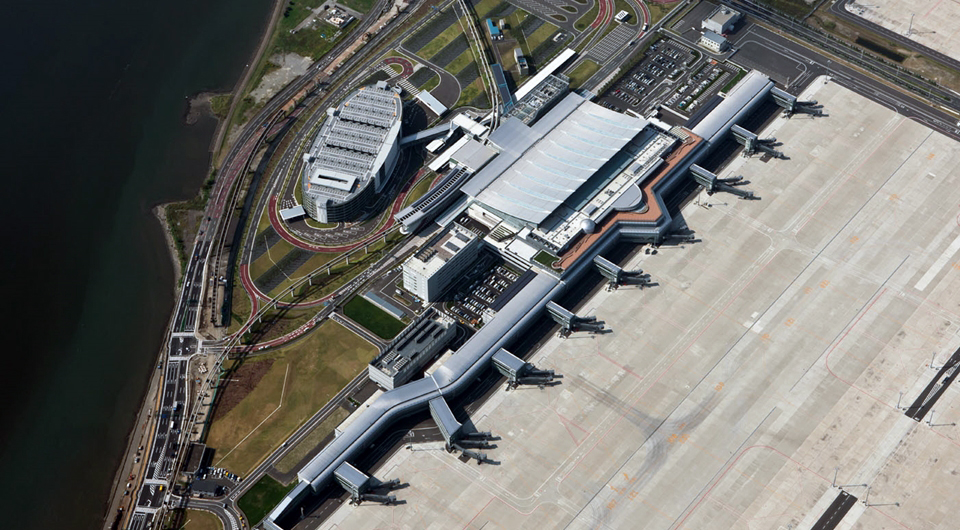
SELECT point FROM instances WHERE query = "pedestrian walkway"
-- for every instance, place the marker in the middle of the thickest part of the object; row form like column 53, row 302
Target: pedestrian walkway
column 402, row 81
column 611, row 44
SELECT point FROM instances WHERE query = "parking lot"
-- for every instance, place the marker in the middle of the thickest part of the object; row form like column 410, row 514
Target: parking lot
column 479, row 288
column 650, row 81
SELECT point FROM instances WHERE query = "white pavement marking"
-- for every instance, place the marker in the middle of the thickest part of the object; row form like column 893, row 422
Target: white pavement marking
column 937, row 265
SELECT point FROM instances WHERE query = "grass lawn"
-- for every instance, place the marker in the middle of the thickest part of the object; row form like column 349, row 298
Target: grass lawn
column 460, row 62
column 359, row 5
column 484, row 7
column 658, row 11
column 794, row 8
column 588, row 18
column 545, row 258
column 316, row 261
column 378, row 321
column 272, row 255
column 239, row 306
column 583, row 72
column 623, row 5
column 264, row 221
column 440, row 41
column 469, row 92
column 537, row 38
column 308, row 42
column 431, row 83
column 326, row 427
column 418, row 191
column 199, row 520
column 294, row 14
column 220, row 105
column 320, row 364
column 257, row 502
column 733, row 82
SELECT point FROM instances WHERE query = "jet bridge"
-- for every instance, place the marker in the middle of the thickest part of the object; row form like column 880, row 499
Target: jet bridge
column 570, row 323
column 753, row 145
column 454, row 435
column 616, row 276
column 713, row 184
column 791, row 106
column 518, row 372
column 362, row 487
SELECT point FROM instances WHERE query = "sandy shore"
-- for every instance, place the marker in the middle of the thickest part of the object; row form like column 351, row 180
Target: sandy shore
column 160, row 211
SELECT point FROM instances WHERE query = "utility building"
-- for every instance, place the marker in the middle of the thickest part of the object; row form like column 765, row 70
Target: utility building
column 353, row 156
column 713, row 41
column 722, row 20
column 522, row 67
column 433, row 268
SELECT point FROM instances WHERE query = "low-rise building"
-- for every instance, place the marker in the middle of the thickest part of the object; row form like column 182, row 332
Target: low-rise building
column 722, row 20
column 713, row 42
column 523, row 68
column 439, row 263
column 412, row 349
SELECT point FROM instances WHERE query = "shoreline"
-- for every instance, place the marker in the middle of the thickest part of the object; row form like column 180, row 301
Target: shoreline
column 150, row 402
column 160, row 212
column 151, row 396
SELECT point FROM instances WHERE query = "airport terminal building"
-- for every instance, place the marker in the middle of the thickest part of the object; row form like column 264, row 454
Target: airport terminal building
column 572, row 184
column 353, row 156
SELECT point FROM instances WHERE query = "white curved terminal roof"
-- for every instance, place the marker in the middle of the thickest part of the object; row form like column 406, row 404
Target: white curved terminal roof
column 541, row 171
column 740, row 101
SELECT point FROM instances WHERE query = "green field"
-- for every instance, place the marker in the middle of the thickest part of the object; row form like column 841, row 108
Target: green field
column 419, row 190
column 297, row 452
column 257, row 502
column 583, row 72
column 308, row 42
column 794, row 8
column 440, row 41
column 545, row 258
column 461, row 62
column 272, row 255
column 308, row 373
column 198, row 520
column 588, row 17
column 469, row 92
column 658, row 11
column 360, row 5
column 623, row 5
column 431, row 83
column 378, row 321
column 733, row 82
column 537, row 38
column 484, row 7
column 295, row 12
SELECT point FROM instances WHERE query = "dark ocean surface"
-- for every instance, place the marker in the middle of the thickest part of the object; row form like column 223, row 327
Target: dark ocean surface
column 92, row 98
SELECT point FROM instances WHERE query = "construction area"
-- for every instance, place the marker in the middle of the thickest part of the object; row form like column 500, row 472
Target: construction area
column 789, row 368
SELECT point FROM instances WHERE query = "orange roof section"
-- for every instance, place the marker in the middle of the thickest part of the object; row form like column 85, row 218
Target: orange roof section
column 653, row 207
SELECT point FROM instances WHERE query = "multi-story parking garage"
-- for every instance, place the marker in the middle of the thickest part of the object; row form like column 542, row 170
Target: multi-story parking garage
column 353, row 156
